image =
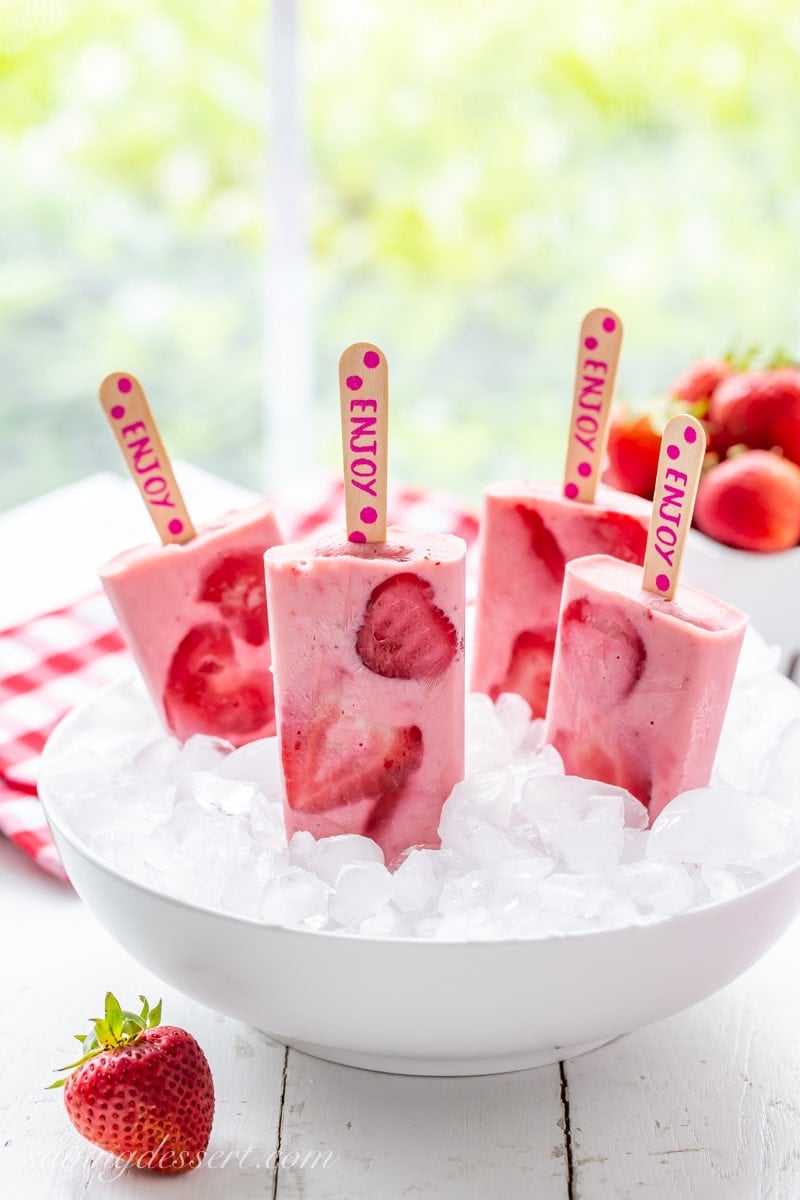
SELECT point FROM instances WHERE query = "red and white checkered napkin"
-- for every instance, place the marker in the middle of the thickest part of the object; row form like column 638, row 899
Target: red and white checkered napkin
column 56, row 660
column 48, row 665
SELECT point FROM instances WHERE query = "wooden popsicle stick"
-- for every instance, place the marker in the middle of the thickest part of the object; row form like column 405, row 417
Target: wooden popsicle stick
column 595, row 373
column 364, row 399
column 125, row 405
column 680, row 465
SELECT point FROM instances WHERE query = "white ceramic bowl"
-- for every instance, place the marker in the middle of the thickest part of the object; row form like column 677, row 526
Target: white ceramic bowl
column 763, row 585
column 428, row 1007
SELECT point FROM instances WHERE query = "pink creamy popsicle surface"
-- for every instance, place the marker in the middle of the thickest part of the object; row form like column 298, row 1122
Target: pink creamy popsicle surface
column 368, row 658
column 640, row 684
column 195, row 619
column 529, row 532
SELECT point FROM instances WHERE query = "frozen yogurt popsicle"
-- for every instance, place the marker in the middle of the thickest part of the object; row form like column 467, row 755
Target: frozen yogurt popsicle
column 368, row 650
column 644, row 666
column 193, row 610
column 368, row 658
column 530, row 531
column 195, row 619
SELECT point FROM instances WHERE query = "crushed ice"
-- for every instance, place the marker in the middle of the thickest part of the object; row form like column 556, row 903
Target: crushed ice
column 526, row 851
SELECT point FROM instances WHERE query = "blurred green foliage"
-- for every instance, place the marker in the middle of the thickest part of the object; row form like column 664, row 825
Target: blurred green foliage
column 481, row 175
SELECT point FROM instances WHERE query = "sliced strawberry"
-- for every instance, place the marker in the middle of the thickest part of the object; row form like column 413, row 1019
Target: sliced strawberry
column 545, row 546
column 338, row 761
column 236, row 585
column 618, row 534
column 610, row 647
column 596, row 760
column 404, row 635
column 208, row 692
column 529, row 669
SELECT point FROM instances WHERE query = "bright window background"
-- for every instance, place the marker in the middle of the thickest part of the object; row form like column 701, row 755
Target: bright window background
column 481, row 174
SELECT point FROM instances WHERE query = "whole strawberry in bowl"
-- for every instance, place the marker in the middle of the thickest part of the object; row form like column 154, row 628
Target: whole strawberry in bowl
column 751, row 501
column 759, row 409
column 634, row 444
column 141, row 1090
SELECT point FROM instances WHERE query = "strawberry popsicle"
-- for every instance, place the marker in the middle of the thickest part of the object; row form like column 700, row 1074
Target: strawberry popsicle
column 193, row 610
column 368, row 657
column 195, row 619
column 530, row 531
column 640, row 683
column 643, row 665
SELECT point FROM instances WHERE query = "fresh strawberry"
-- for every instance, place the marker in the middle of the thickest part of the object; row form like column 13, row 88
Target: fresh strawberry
column 698, row 383
column 208, row 691
column 141, row 1090
column 404, row 635
column 633, row 448
column 751, row 501
column 610, row 644
column 529, row 669
column 545, row 546
column 759, row 409
column 236, row 585
column 333, row 760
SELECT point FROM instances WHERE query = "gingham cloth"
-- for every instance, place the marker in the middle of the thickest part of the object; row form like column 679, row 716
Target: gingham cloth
column 56, row 660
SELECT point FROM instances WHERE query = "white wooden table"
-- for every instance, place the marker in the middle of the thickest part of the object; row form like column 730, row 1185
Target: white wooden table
column 706, row 1104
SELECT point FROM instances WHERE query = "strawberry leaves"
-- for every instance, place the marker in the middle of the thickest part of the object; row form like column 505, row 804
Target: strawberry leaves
column 117, row 1027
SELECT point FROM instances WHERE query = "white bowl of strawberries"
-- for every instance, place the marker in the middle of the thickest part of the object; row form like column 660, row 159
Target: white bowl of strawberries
column 745, row 547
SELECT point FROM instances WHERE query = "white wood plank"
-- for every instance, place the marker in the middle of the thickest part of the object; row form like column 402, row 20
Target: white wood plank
column 393, row 1136
column 57, row 964
column 704, row 1104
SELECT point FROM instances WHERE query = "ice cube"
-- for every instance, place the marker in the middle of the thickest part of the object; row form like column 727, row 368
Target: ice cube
column 782, row 776
column 297, row 898
column 487, row 743
column 659, row 889
column 266, row 821
column 719, row 883
column 361, row 889
column 568, row 797
column 577, row 895
column 514, row 714
column 202, row 753
column 158, row 757
column 386, row 922
column 416, row 881
column 218, row 795
column 256, row 762
column 722, row 827
column 301, row 847
column 332, row 853
column 757, row 714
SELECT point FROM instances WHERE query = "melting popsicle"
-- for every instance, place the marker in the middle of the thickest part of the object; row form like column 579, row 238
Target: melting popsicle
column 193, row 610
column 644, row 665
column 368, row 651
column 530, row 531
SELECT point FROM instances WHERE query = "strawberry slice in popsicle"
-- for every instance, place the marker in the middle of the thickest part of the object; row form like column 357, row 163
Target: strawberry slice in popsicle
column 530, row 531
column 643, row 667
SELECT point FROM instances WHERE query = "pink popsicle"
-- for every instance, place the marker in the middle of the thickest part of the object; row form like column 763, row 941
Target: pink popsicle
column 195, row 619
column 529, row 532
column 640, row 683
column 368, row 656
